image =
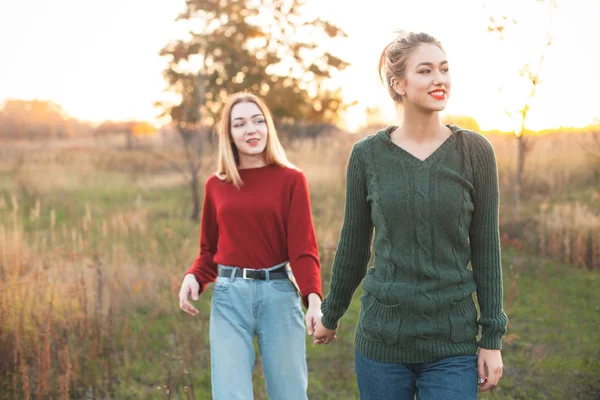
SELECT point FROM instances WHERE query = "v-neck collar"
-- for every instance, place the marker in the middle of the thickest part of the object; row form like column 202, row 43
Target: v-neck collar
column 408, row 156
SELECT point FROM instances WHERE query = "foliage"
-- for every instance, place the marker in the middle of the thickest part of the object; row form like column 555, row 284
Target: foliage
column 261, row 46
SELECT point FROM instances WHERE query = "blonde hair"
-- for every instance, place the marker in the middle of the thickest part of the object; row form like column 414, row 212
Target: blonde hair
column 392, row 62
column 228, row 160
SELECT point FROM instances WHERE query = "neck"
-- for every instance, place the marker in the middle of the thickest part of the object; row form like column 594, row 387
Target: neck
column 418, row 124
column 252, row 161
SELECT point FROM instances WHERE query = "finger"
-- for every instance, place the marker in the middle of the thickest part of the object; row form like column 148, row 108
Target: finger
column 490, row 381
column 495, row 376
column 486, row 387
column 184, row 307
column 483, row 384
column 319, row 340
column 188, row 308
column 481, row 369
column 310, row 325
column 193, row 311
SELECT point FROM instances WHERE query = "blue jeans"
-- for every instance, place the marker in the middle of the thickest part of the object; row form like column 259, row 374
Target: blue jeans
column 270, row 310
column 453, row 378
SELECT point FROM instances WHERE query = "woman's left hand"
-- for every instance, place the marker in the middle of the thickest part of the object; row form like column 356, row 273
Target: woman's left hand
column 490, row 361
column 313, row 314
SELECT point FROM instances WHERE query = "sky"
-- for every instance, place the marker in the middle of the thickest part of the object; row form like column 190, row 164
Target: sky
column 100, row 61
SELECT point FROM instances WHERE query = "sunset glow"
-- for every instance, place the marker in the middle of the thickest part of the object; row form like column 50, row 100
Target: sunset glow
column 100, row 61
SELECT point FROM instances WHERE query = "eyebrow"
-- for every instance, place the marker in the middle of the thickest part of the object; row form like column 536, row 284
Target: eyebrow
column 255, row 115
column 430, row 64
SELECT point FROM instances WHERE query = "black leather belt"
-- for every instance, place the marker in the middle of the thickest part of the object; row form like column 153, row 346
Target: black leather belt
column 256, row 274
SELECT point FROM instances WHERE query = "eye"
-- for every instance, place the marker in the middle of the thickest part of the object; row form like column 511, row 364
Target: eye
column 446, row 70
column 259, row 121
column 238, row 124
column 424, row 71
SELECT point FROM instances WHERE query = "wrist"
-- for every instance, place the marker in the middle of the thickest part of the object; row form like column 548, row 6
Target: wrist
column 190, row 276
column 314, row 301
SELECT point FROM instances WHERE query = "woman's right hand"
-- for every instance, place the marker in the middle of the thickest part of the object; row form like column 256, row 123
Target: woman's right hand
column 189, row 286
column 323, row 335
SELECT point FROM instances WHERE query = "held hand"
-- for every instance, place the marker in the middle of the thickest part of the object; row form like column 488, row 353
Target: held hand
column 490, row 361
column 189, row 286
column 323, row 335
column 313, row 314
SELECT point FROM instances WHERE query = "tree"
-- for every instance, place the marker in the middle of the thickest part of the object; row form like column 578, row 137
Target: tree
column 255, row 45
column 528, row 80
column 250, row 45
column 187, row 123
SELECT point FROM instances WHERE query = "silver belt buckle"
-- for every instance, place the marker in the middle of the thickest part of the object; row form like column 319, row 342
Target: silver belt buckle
column 244, row 274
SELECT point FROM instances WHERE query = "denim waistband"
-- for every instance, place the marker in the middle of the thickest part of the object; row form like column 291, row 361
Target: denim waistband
column 267, row 270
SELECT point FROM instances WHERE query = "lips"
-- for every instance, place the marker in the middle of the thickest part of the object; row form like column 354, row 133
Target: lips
column 253, row 141
column 438, row 94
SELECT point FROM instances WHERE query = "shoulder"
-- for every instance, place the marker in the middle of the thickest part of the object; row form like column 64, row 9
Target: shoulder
column 481, row 152
column 475, row 139
column 211, row 181
column 292, row 176
column 367, row 141
column 211, row 187
column 362, row 147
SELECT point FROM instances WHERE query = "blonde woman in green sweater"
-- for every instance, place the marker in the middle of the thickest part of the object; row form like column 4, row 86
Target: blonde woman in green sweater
column 429, row 192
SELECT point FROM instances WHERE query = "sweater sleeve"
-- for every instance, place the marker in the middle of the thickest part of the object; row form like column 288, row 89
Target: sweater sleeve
column 354, row 247
column 303, row 250
column 484, row 238
column 204, row 267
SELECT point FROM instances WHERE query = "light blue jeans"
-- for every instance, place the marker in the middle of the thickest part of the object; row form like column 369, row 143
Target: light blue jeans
column 452, row 378
column 270, row 310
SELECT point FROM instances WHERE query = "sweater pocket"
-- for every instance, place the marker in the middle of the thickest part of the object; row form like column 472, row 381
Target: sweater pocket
column 379, row 322
column 463, row 321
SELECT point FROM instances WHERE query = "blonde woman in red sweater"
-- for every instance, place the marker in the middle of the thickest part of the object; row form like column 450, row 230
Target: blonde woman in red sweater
column 258, row 244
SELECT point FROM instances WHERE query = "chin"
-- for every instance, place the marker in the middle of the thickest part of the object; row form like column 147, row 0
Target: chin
column 441, row 106
column 255, row 152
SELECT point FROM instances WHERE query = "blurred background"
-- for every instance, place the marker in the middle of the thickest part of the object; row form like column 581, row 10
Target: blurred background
column 107, row 133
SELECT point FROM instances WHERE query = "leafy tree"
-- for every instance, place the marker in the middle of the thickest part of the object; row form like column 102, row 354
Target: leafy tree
column 261, row 46
column 258, row 45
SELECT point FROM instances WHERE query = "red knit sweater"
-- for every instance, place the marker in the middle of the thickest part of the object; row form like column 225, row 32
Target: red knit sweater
column 266, row 222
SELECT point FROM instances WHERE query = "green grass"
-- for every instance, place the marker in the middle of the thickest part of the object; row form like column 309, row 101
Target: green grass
column 551, row 350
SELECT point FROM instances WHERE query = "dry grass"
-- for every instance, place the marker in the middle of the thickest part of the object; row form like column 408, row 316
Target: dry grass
column 70, row 285
column 65, row 294
column 571, row 233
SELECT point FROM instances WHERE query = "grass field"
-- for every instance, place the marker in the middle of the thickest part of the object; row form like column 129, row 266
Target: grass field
column 94, row 242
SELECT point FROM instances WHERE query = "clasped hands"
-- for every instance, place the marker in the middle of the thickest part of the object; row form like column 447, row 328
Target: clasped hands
column 315, row 328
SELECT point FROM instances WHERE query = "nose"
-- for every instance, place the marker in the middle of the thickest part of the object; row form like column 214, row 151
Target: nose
column 250, row 128
column 439, row 79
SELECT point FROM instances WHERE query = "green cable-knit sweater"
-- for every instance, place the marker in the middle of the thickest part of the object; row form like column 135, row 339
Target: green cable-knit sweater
column 431, row 219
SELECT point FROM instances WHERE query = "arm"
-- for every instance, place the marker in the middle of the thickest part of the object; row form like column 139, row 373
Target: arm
column 354, row 247
column 303, row 250
column 204, row 268
column 485, row 245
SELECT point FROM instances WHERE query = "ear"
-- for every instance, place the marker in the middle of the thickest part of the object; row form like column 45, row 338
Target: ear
column 398, row 86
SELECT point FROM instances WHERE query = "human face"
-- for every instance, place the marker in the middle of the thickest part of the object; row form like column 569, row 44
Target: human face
column 427, row 82
column 249, row 130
